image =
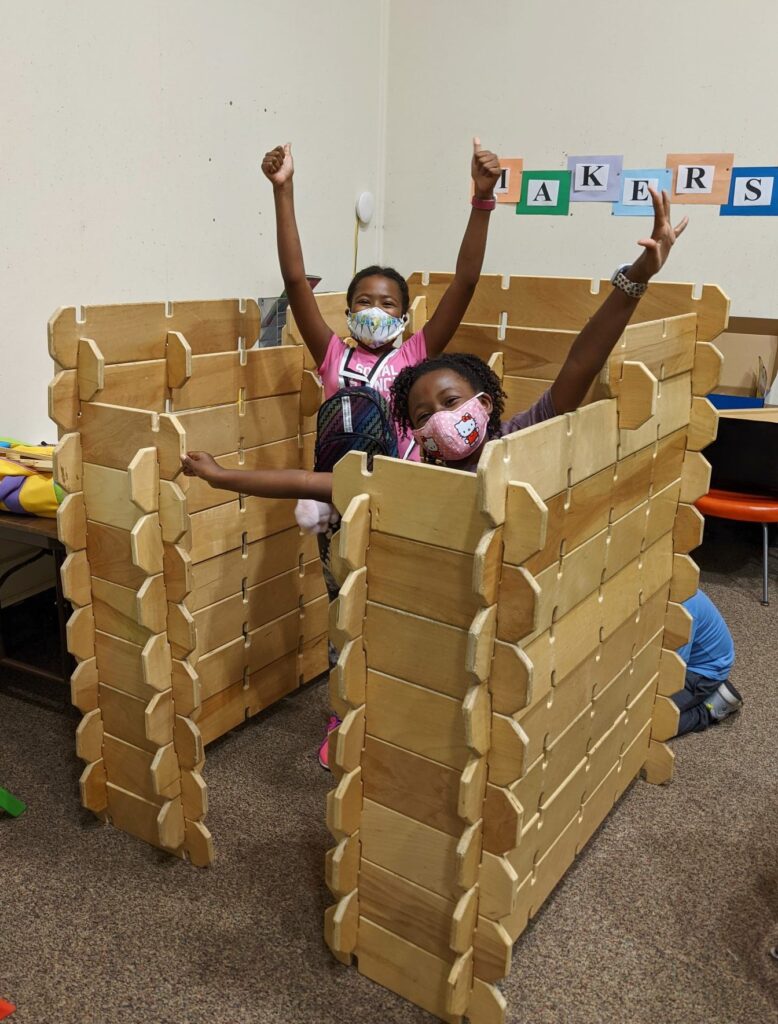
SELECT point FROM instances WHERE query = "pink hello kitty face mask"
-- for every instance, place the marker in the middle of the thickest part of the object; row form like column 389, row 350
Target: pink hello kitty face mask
column 452, row 434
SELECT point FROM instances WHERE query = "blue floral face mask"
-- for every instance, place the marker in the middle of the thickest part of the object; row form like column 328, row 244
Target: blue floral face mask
column 375, row 328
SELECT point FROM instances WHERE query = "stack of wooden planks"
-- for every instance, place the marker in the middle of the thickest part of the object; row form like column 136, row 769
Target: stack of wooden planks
column 193, row 607
column 507, row 649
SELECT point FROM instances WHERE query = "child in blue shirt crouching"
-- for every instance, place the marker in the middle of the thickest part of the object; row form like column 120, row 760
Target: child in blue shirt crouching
column 708, row 695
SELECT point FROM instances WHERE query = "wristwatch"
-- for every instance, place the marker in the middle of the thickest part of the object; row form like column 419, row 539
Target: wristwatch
column 483, row 204
column 631, row 288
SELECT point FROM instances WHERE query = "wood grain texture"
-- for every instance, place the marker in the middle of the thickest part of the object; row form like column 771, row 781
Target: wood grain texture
column 138, row 331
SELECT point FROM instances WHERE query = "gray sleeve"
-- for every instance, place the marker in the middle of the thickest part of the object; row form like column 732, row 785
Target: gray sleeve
column 543, row 409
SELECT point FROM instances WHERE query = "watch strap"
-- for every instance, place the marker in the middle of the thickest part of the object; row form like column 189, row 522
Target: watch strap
column 634, row 289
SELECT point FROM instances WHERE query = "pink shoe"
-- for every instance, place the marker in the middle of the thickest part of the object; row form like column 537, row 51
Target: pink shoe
column 324, row 749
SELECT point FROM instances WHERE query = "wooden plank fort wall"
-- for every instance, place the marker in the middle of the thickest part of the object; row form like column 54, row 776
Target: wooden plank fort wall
column 193, row 607
column 507, row 638
column 507, row 643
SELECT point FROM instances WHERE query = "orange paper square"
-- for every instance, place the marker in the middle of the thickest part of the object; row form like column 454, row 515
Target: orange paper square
column 514, row 166
column 686, row 169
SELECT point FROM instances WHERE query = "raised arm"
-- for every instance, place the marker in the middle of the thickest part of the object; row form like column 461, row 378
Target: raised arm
column 278, row 167
column 594, row 344
column 264, row 483
column 443, row 323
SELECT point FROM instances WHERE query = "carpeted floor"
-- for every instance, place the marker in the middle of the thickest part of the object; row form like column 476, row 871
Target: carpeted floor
column 666, row 918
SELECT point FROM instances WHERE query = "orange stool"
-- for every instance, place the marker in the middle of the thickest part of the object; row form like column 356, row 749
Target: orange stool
column 746, row 508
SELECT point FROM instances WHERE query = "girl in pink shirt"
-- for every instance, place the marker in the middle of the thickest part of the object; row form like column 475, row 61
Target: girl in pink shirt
column 377, row 297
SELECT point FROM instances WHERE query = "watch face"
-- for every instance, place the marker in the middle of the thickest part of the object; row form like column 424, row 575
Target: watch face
column 619, row 270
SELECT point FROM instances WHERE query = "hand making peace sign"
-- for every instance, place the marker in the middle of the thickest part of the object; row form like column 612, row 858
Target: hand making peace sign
column 657, row 248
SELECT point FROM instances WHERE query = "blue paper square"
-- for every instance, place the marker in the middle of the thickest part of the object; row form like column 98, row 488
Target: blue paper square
column 661, row 175
column 748, row 192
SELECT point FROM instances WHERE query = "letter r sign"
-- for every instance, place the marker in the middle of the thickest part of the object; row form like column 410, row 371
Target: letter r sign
column 700, row 177
column 693, row 180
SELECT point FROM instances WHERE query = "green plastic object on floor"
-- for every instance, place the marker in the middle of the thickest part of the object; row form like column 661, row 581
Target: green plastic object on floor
column 10, row 804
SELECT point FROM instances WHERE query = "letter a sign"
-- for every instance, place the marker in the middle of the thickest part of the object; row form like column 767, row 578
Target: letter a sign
column 545, row 192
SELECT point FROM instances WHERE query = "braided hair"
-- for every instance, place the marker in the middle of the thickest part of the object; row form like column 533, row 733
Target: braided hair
column 376, row 271
column 470, row 368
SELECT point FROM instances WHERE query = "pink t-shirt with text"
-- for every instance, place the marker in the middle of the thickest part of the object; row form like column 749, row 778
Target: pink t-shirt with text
column 344, row 366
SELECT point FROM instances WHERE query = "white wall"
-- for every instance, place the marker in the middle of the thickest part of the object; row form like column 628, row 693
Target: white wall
column 131, row 141
column 132, row 135
column 540, row 80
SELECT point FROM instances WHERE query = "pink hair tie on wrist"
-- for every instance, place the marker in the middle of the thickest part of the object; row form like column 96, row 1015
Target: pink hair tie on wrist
column 483, row 204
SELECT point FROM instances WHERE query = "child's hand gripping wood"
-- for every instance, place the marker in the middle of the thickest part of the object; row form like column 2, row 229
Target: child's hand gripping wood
column 202, row 465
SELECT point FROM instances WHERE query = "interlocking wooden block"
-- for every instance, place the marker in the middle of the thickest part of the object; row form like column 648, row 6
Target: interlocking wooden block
column 708, row 362
column 703, row 425
column 678, row 625
column 67, row 463
column 637, row 395
column 93, row 789
column 695, row 478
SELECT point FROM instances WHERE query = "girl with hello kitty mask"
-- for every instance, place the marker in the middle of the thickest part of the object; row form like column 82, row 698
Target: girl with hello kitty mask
column 452, row 405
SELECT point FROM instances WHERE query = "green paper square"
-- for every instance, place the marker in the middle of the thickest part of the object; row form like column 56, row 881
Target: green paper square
column 536, row 185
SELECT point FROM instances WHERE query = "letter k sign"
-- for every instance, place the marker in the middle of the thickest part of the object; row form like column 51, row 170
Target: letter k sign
column 596, row 179
column 591, row 177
